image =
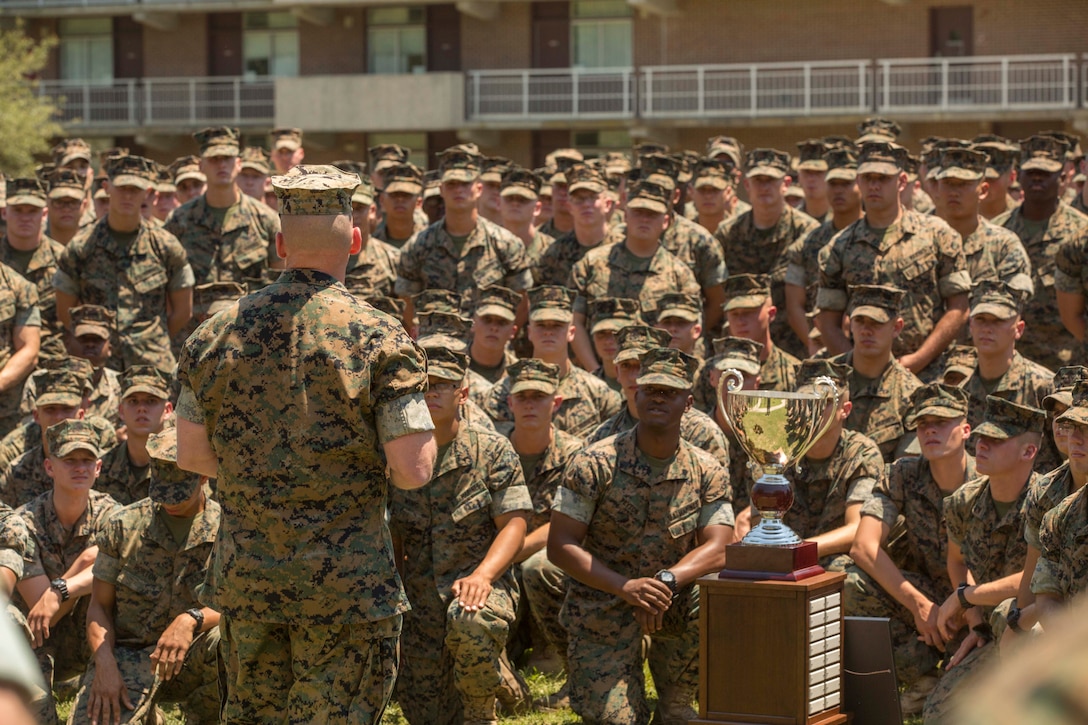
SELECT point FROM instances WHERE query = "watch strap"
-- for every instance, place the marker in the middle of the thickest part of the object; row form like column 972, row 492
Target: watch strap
column 198, row 616
column 1012, row 619
column 961, row 593
column 61, row 587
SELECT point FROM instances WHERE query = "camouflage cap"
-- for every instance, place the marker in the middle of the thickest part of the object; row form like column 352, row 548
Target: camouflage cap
column 145, row 379
column 612, row 314
column 767, row 162
column 218, row 141
column 996, row 298
column 257, row 159
column 436, row 300
column 431, row 183
column 645, row 148
column 878, row 129
column 164, row 182
column 498, row 301
column 492, row 168
column 187, row 167
column 687, row 159
column 616, row 163
column 881, row 157
column 169, row 484
column 406, row 178
column 286, row 138
column 131, row 171
column 1071, row 142
column 634, row 340
column 667, row 367
column 812, row 153
column 1065, row 380
column 521, row 182
column 746, row 291
column 446, row 364
column 835, row 141
column 584, row 176
column 69, row 150
column 648, row 195
column 385, row 155
column 533, row 374
column 391, row 306
column 961, row 359
column 550, row 302
column 315, row 190
column 213, row 297
column 817, row 367
column 711, row 172
column 1078, row 409
column 457, row 165
column 739, row 353
column 66, row 184
column 938, row 400
column 79, row 366
column 92, row 320
column 1000, row 156
column 842, row 164
column 60, row 387
column 963, row 164
column 351, row 167
column 562, row 164
column 679, row 305
column 71, row 435
column 725, row 146
column 1045, row 153
column 793, row 191
column 364, row 192
column 27, row 190
column 1005, row 419
column 879, row 303
column 659, row 162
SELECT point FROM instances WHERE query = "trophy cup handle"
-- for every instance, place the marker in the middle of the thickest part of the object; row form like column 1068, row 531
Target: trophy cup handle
column 731, row 380
column 829, row 392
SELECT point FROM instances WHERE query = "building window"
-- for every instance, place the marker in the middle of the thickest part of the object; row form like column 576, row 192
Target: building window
column 600, row 34
column 270, row 45
column 86, row 49
column 396, row 40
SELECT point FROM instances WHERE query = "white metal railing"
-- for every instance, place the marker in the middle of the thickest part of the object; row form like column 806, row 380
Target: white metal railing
column 984, row 82
column 552, row 93
column 163, row 101
column 756, row 89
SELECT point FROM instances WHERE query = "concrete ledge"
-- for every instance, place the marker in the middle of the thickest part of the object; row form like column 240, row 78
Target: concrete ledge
column 410, row 102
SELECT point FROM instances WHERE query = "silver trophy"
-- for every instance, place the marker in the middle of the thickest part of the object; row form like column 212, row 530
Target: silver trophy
column 775, row 429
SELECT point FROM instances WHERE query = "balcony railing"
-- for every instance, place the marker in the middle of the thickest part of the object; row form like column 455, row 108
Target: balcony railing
column 163, row 101
column 542, row 94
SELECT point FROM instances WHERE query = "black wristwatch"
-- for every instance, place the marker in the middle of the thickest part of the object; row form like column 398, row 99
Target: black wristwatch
column 667, row 578
column 199, row 617
column 961, row 593
column 1012, row 619
column 61, row 587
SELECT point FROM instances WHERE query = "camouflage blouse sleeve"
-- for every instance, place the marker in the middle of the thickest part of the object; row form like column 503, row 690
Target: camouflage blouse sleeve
column 586, row 475
column 952, row 276
column 14, row 540
column 1046, row 579
column 398, row 379
column 831, row 294
column 1072, row 273
column 887, row 495
column 956, row 511
column 176, row 262
column 868, row 470
column 110, row 541
column 27, row 312
column 716, row 493
column 505, row 478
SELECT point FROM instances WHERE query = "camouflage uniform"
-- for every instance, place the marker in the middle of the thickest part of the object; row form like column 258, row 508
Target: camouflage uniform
column 587, row 402
column 803, row 261
column 638, row 523
column 1049, row 490
column 26, row 478
column 14, row 540
column 881, row 406
column 994, row 252
column 921, row 255
column 749, row 250
column 103, row 401
column 445, row 530
column 613, row 271
column 134, row 282
column 993, row 547
column 779, row 370
column 1025, row 383
column 39, row 271
column 18, row 308
column 912, row 496
column 696, row 427
column 696, row 248
column 559, row 259
column 351, row 380
column 1062, row 570
column 373, row 272
column 53, row 549
column 381, row 233
column 155, row 579
column 29, row 435
column 121, row 478
column 1056, row 256
column 535, row 251
column 237, row 251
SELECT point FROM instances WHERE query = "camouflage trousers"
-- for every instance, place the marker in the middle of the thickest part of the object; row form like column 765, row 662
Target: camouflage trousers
column 864, row 597
column 449, row 655
column 195, row 688
column 545, row 589
column 941, row 704
column 64, row 655
column 307, row 673
column 607, row 684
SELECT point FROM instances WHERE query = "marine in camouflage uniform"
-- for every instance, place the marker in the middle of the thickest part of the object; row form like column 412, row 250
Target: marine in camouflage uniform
column 153, row 577
column 746, row 292
column 1062, row 571
column 352, row 379
column 448, row 532
column 134, row 280
column 373, row 271
column 102, row 400
column 560, row 257
column 18, row 310
column 397, row 178
column 750, row 250
column 495, row 311
column 638, row 518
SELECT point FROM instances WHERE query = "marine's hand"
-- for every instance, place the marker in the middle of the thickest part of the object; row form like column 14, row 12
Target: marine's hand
column 649, row 622
column 41, row 614
column 647, row 593
column 108, row 695
column 173, row 645
column 925, row 621
column 472, row 591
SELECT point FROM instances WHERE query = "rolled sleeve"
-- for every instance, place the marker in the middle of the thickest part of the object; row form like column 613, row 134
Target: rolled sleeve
column 956, row 283
column 106, row 568
column 881, row 507
column 510, row 499
column 188, row 408
column 62, row 282
column 1046, row 579
column 405, row 287
column 795, row 274
column 182, row 278
column 400, row 417
column 716, row 513
column 13, row 560
column 831, row 299
column 574, row 505
column 1067, row 283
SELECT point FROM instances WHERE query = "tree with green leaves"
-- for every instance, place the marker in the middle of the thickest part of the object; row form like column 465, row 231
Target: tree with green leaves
column 27, row 121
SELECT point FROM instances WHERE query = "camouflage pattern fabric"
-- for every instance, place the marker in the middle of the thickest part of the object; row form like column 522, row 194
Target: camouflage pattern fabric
column 559, row 259
column 25, row 479
column 491, row 255
column 238, row 250
column 613, row 271
column 921, row 255
column 993, row 252
column 1024, row 383
column 545, row 587
column 373, row 272
column 779, row 370
column 697, row 248
column 18, row 308
column 1057, row 264
column 881, row 405
column 544, row 479
column 39, row 271
column 587, row 402
column 1049, row 490
column 29, row 436
column 803, row 261
column 1063, row 567
column 696, row 427
column 381, row 232
column 126, row 482
column 749, row 250
column 14, row 540
column 535, row 250
column 133, row 281
column 104, row 401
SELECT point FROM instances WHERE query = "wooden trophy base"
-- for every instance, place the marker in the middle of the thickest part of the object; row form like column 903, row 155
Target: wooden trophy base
column 771, row 563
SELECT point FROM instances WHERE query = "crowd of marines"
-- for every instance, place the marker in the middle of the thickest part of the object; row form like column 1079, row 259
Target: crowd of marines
column 575, row 321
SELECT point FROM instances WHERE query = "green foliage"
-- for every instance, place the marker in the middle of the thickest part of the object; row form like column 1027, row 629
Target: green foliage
column 26, row 123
